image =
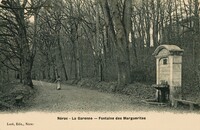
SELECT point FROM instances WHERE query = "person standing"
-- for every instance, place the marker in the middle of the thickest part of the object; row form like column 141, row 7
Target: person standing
column 58, row 83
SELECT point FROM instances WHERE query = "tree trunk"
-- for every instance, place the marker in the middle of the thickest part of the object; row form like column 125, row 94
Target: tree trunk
column 7, row 72
column 196, row 39
column 54, row 72
column 49, row 70
column 156, row 15
column 43, row 74
column 27, row 68
column 120, row 41
column 76, row 59
column 77, row 66
column 27, row 58
column 148, row 25
column 169, row 30
column 97, row 46
column 27, row 62
column 61, row 57
column 101, row 71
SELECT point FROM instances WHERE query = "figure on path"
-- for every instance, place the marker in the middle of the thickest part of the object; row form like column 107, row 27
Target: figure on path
column 58, row 83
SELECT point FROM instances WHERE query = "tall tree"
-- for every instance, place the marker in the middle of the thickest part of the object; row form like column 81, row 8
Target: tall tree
column 17, row 9
column 120, row 37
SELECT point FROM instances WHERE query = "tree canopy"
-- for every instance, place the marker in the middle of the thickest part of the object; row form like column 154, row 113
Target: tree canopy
column 103, row 39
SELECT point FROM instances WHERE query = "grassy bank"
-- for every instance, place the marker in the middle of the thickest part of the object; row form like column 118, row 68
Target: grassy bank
column 135, row 90
column 9, row 92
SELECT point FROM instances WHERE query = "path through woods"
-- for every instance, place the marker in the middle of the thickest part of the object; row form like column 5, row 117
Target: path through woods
column 71, row 98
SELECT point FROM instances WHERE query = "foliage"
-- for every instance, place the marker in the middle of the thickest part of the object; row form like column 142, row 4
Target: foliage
column 102, row 39
column 9, row 91
column 140, row 91
column 135, row 90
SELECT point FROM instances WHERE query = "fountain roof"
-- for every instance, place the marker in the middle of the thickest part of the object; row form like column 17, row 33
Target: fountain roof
column 170, row 48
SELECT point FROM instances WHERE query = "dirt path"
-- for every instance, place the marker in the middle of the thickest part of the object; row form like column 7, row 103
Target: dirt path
column 71, row 98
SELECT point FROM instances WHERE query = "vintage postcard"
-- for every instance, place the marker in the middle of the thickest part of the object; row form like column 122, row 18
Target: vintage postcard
column 99, row 64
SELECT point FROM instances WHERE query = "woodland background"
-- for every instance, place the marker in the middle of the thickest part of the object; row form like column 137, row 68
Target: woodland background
column 103, row 40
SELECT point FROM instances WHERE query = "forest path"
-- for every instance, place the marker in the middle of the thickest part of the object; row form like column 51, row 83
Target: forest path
column 72, row 98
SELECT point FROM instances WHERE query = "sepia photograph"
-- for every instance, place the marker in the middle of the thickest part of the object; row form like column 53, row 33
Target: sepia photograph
column 100, row 64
